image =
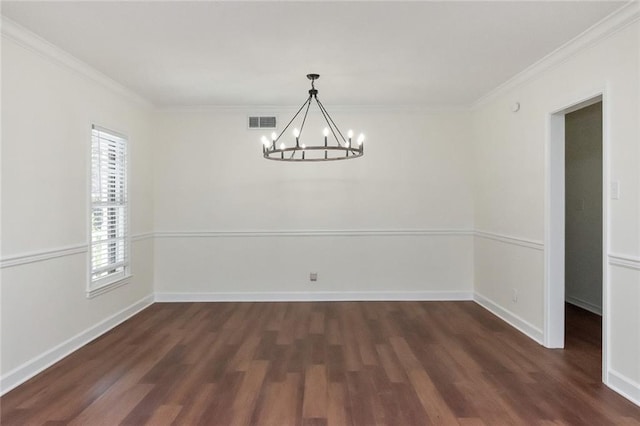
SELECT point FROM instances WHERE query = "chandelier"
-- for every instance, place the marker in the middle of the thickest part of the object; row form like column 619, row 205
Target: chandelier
column 333, row 148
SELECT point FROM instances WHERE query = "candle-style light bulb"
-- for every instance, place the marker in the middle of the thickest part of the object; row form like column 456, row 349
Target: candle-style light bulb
column 282, row 145
column 360, row 138
column 325, row 132
column 303, row 146
column 274, row 136
column 265, row 141
column 350, row 134
column 296, row 133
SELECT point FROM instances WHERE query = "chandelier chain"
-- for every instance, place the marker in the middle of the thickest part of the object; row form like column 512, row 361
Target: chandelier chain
column 304, row 119
column 326, row 113
column 291, row 121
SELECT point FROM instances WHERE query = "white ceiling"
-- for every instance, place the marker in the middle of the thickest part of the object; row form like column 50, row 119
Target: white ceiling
column 258, row 53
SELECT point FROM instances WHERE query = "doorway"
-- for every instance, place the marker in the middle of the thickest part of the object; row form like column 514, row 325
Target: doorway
column 583, row 208
column 576, row 220
column 583, row 231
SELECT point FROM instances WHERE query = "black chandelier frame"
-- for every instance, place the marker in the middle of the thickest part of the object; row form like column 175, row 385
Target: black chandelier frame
column 343, row 149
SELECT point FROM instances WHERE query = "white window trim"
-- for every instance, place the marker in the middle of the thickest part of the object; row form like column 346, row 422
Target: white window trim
column 111, row 282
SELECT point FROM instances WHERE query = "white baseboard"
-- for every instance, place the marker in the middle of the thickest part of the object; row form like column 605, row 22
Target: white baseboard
column 318, row 296
column 510, row 318
column 34, row 366
column 587, row 306
column 624, row 386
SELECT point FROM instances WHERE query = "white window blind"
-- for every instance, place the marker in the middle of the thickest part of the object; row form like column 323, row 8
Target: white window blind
column 109, row 205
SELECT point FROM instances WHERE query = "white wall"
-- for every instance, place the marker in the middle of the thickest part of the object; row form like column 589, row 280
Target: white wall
column 396, row 221
column 509, row 190
column 47, row 111
column 583, row 209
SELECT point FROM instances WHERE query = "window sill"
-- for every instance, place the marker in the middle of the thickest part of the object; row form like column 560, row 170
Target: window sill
column 104, row 288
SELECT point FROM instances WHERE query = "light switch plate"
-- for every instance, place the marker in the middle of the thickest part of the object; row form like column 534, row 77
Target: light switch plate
column 615, row 190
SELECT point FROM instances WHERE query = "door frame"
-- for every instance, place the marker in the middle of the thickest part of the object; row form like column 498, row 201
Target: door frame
column 554, row 252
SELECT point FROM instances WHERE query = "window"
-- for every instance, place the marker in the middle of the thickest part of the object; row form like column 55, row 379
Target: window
column 109, row 209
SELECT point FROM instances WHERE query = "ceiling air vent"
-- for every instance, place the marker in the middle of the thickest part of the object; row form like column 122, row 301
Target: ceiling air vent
column 262, row 122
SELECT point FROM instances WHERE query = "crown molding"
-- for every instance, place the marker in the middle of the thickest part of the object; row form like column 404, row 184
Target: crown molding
column 617, row 21
column 30, row 41
column 271, row 109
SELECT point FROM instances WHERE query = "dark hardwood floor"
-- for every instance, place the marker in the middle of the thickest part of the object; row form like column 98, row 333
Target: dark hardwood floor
column 347, row 363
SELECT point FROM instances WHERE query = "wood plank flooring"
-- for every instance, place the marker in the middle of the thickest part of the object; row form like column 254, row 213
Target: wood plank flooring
column 346, row 363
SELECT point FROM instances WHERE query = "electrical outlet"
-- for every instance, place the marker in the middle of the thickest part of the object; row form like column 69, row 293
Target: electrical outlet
column 514, row 295
column 313, row 276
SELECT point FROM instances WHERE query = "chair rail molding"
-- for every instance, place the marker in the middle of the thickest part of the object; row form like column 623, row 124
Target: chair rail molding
column 42, row 255
column 55, row 252
column 315, row 233
column 624, row 261
column 509, row 239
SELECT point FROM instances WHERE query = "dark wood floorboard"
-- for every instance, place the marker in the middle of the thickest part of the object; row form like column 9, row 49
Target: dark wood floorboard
column 334, row 363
